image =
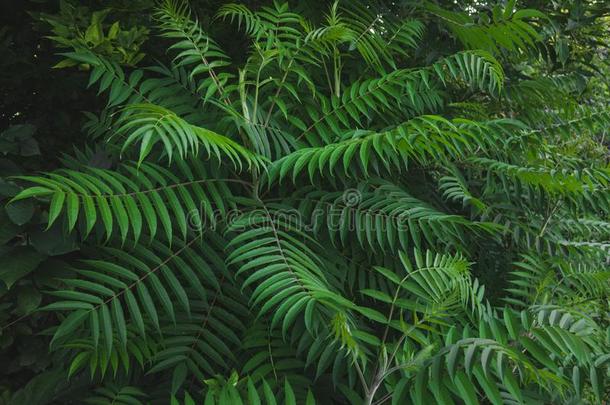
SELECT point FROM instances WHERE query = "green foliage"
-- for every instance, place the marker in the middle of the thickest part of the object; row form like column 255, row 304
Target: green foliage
column 126, row 200
column 505, row 30
column 312, row 221
column 70, row 29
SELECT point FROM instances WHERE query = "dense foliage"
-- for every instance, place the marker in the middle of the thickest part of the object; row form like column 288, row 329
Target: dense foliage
column 400, row 202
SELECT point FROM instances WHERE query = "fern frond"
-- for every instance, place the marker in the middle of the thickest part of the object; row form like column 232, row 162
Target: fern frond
column 252, row 23
column 276, row 23
column 517, row 342
column 366, row 28
column 509, row 29
column 424, row 139
column 148, row 124
column 478, row 69
column 431, row 285
column 378, row 38
column 384, row 216
column 401, row 89
column 196, row 49
column 551, row 180
column 286, row 274
column 105, row 294
column 167, row 91
column 404, row 35
column 133, row 196
column 585, row 227
column 205, row 343
column 85, row 354
column 539, row 281
column 455, row 188
column 583, row 120
column 272, row 357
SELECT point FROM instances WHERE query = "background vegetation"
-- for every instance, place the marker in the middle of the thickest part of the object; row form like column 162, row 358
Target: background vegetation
column 304, row 202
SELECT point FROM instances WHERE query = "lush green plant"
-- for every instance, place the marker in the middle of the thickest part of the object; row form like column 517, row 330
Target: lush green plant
column 73, row 27
column 319, row 223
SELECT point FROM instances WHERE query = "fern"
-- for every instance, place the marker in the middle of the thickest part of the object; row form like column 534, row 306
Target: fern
column 423, row 139
column 151, row 196
column 289, row 278
column 371, row 204
column 505, row 30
